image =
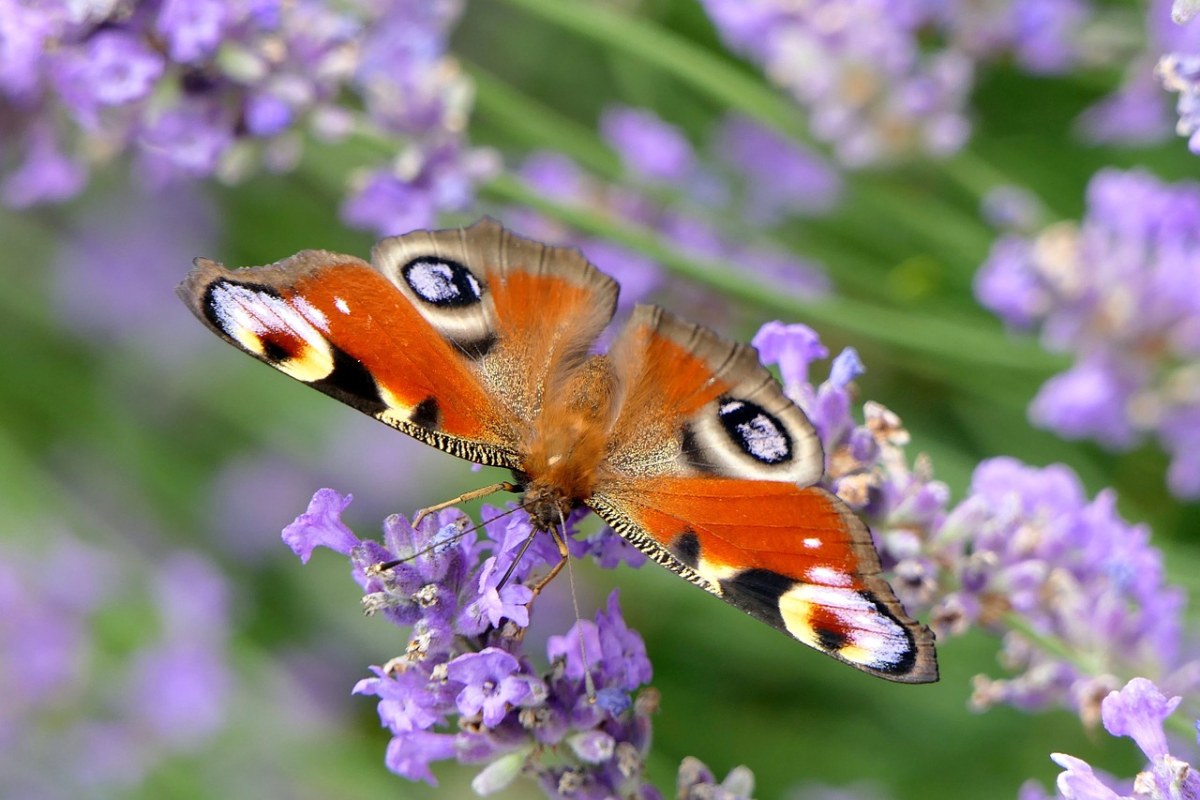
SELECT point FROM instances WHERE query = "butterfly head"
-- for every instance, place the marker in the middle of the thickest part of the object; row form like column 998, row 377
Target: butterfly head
column 548, row 505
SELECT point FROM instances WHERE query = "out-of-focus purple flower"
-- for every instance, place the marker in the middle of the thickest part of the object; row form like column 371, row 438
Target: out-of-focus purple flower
column 780, row 178
column 203, row 88
column 180, row 686
column 1138, row 710
column 1120, row 291
column 1029, row 542
column 1182, row 11
column 46, row 175
column 697, row 782
column 421, row 182
column 871, row 90
column 1012, row 208
column 107, row 289
column 648, row 146
column 123, row 709
column 1136, row 113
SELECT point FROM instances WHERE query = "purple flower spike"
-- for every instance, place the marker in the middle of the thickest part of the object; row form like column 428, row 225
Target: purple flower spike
column 1118, row 291
column 489, row 684
column 649, row 147
column 321, row 525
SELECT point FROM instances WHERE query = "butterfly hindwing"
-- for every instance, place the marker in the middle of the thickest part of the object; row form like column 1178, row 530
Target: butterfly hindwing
column 710, row 473
column 693, row 403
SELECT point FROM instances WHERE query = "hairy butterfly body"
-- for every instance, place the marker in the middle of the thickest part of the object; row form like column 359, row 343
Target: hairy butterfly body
column 479, row 342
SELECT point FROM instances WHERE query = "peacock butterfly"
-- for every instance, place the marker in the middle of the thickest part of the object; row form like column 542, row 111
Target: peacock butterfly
column 479, row 342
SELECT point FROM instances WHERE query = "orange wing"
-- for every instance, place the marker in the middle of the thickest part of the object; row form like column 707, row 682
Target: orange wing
column 796, row 558
column 449, row 336
column 709, row 472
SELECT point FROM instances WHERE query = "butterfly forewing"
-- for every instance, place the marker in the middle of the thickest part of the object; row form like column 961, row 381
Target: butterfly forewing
column 794, row 557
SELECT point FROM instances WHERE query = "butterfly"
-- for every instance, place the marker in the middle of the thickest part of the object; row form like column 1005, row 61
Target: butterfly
column 480, row 342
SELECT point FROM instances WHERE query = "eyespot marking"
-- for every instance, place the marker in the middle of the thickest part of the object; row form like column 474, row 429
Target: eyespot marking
column 442, row 282
column 759, row 434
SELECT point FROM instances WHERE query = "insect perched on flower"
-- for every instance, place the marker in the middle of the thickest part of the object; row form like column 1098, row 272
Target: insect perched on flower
column 478, row 342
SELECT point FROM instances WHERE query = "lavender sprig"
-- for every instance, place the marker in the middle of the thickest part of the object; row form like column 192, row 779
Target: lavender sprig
column 1077, row 594
column 1118, row 291
column 199, row 89
column 464, row 687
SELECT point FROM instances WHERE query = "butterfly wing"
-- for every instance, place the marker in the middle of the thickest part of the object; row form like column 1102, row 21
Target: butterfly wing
column 449, row 336
column 709, row 473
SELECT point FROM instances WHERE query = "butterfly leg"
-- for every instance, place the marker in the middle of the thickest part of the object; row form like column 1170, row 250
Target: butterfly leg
column 502, row 486
column 563, row 555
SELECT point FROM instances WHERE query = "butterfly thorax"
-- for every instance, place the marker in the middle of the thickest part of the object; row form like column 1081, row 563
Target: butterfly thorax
column 566, row 446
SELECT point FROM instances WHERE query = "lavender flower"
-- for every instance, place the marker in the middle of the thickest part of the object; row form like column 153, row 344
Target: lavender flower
column 464, row 659
column 778, row 177
column 1026, row 555
column 202, row 89
column 1138, row 711
column 858, row 69
column 1119, row 291
column 650, row 148
column 121, row 712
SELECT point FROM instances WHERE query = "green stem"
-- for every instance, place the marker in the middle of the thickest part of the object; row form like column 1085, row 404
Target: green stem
column 714, row 76
column 934, row 338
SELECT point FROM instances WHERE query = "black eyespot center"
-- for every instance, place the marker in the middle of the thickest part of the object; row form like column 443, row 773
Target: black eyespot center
column 759, row 434
column 442, row 282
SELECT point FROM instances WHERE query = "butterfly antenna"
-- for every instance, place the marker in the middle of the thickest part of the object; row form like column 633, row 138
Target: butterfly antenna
column 588, row 682
column 384, row 566
column 517, row 559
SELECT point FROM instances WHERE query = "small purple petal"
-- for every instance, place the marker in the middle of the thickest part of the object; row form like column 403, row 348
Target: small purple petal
column 1138, row 711
column 321, row 525
column 649, row 147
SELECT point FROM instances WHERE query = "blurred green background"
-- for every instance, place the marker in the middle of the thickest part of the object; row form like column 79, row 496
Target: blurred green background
column 134, row 430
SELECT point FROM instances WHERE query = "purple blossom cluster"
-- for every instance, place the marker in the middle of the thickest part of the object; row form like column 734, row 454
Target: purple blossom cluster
column 1178, row 68
column 120, row 712
column 858, row 69
column 884, row 80
column 752, row 174
column 1026, row 555
column 464, row 688
column 1138, row 710
column 1120, row 291
column 204, row 88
